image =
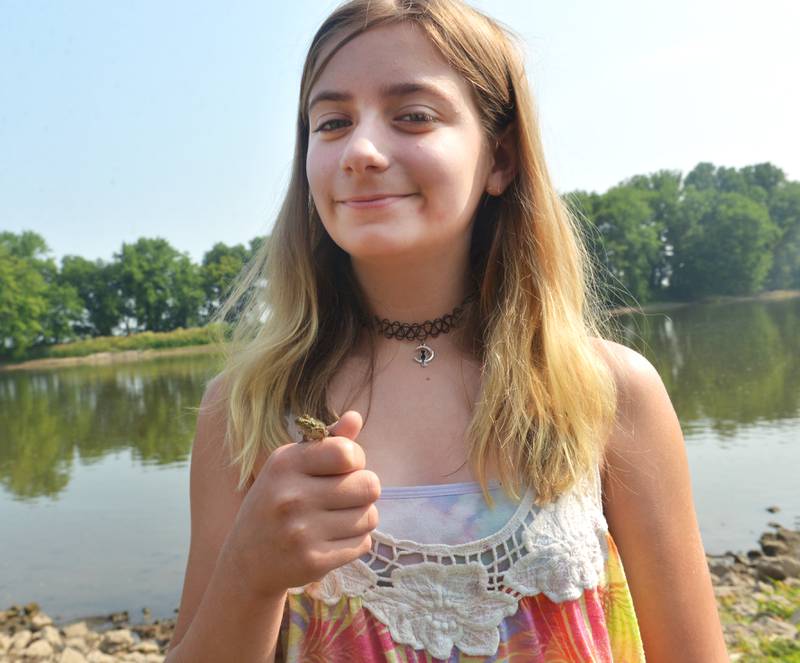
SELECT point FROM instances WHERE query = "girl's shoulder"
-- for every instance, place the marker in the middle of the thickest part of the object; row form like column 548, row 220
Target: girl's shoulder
column 641, row 393
column 626, row 364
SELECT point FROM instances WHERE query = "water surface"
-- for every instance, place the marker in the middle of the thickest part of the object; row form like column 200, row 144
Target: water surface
column 94, row 461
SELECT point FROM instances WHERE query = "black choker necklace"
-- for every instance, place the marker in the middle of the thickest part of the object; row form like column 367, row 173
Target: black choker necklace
column 419, row 331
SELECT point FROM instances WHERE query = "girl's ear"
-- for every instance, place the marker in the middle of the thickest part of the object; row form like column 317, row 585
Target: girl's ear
column 504, row 161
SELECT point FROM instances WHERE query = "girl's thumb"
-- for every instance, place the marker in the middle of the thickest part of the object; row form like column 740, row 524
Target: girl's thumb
column 349, row 425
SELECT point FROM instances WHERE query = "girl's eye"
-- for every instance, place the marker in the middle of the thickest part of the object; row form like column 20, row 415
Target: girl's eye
column 322, row 126
column 419, row 117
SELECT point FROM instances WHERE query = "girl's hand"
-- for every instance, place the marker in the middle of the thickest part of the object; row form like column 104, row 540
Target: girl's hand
column 310, row 510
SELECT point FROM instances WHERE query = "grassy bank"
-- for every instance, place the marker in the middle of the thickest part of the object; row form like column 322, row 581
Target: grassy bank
column 104, row 349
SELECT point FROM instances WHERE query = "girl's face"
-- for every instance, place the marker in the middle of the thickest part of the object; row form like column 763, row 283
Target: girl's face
column 397, row 161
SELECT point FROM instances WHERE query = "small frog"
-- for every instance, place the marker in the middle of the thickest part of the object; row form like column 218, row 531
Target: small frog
column 312, row 429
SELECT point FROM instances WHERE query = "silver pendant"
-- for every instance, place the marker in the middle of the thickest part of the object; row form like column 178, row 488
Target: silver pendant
column 424, row 355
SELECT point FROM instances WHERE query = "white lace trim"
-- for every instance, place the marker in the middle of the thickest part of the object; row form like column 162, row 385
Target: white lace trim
column 435, row 596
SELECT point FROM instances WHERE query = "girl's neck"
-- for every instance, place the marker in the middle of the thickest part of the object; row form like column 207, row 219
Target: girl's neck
column 413, row 291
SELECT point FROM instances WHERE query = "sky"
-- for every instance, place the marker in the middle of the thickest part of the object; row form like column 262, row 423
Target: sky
column 144, row 118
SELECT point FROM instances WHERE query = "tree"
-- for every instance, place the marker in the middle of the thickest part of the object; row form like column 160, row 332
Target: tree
column 784, row 210
column 97, row 284
column 664, row 194
column 631, row 239
column 725, row 245
column 23, row 303
column 220, row 267
column 33, row 290
column 160, row 286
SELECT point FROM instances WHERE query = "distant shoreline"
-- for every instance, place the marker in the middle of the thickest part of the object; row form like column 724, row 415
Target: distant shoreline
column 104, row 358
column 770, row 295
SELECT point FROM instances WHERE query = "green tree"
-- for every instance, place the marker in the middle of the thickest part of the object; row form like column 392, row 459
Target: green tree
column 160, row 287
column 664, row 193
column 220, row 267
column 784, row 210
column 97, row 284
column 23, row 303
column 631, row 238
column 50, row 306
column 725, row 245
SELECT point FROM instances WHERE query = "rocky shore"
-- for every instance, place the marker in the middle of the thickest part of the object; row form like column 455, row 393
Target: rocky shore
column 758, row 594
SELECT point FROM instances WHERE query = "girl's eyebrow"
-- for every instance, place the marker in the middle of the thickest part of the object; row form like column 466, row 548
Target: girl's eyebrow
column 391, row 90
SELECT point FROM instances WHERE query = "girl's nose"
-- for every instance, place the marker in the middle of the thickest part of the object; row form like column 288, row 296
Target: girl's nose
column 362, row 154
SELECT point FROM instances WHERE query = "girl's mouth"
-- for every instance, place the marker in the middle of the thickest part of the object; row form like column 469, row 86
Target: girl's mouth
column 378, row 201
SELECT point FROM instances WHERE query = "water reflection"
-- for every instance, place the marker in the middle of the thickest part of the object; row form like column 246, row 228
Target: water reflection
column 52, row 418
column 725, row 366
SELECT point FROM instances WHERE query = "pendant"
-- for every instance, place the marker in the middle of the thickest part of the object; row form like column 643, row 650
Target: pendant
column 424, row 356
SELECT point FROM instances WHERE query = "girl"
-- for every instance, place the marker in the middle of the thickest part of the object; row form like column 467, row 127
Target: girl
column 424, row 272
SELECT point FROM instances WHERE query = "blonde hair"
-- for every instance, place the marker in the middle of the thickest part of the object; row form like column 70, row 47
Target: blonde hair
column 547, row 396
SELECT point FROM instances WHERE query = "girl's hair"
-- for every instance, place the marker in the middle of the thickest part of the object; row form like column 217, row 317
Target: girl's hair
column 547, row 396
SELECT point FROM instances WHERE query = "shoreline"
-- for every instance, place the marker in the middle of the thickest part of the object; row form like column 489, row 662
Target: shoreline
column 768, row 296
column 105, row 358
column 758, row 598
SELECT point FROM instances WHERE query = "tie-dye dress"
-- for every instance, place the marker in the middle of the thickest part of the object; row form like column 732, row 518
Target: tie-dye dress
column 449, row 579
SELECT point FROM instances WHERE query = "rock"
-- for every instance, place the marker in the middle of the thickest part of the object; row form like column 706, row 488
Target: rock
column 20, row 640
column 745, row 606
column 155, row 658
column 719, row 566
column 773, row 509
column 119, row 617
column 116, row 641
column 99, row 657
column 740, row 559
column 78, row 644
column 147, row 647
column 774, row 547
column 133, row 657
column 76, row 630
column 40, row 620
column 791, row 538
column 5, row 642
column 795, row 618
column 791, row 566
column 70, row 655
column 775, row 627
column 39, row 649
column 754, row 554
column 770, row 569
column 51, row 634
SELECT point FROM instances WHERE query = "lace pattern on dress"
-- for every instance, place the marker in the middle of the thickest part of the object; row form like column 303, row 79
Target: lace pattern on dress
column 435, row 596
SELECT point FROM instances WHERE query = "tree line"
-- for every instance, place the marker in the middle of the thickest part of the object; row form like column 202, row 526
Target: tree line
column 717, row 231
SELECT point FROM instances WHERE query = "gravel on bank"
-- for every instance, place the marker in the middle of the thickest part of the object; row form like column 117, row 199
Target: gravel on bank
column 758, row 595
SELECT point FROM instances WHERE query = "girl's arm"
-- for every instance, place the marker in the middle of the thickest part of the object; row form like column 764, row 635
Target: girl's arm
column 650, row 511
column 219, row 619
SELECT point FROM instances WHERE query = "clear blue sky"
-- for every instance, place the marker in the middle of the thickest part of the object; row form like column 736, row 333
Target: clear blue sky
column 137, row 118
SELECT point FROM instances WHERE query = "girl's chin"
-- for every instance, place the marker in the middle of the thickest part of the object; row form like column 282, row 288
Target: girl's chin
column 376, row 248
